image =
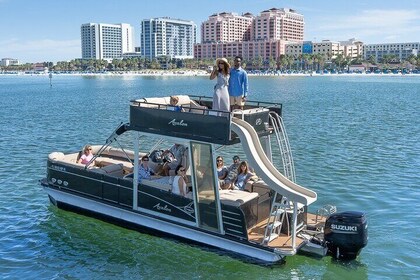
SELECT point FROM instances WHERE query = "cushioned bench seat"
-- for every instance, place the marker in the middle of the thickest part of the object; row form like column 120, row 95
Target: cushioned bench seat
column 163, row 102
column 236, row 197
column 105, row 161
column 112, row 169
column 163, row 183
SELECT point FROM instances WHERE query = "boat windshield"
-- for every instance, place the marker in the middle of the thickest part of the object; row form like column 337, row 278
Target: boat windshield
column 204, row 177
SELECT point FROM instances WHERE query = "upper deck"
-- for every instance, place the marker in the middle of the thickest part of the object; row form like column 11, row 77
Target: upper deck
column 196, row 121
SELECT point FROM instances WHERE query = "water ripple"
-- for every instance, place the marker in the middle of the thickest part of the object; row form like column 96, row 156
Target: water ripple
column 354, row 140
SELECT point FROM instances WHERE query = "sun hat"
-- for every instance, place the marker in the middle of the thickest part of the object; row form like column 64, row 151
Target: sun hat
column 223, row 60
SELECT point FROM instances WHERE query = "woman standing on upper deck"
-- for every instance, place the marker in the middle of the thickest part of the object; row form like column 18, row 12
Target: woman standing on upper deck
column 221, row 94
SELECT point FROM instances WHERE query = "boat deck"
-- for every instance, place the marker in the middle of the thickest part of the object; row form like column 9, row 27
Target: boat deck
column 284, row 241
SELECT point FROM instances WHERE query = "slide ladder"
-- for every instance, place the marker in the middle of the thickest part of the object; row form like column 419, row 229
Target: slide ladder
column 284, row 146
column 278, row 213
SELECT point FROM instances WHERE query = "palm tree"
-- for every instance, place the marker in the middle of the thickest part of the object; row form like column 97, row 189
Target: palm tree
column 272, row 63
column 306, row 60
column 338, row 60
column 412, row 59
column 319, row 59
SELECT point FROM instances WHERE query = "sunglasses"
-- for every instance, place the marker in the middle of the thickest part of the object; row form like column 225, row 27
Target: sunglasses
column 219, row 160
column 145, row 160
column 182, row 170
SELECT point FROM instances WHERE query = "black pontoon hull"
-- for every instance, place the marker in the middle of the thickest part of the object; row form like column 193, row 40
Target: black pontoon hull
column 145, row 222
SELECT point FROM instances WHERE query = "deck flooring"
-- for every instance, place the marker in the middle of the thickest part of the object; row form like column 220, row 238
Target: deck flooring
column 284, row 241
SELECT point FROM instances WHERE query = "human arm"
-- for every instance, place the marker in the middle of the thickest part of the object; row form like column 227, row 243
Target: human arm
column 213, row 73
column 245, row 84
column 181, row 186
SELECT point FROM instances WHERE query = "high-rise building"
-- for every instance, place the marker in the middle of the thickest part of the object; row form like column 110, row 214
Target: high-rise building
column 106, row 41
column 226, row 27
column 263, row 36
column 168, row 37
column 278, row 24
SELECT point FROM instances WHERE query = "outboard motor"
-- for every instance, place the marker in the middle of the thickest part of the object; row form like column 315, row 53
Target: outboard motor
column 346, row 234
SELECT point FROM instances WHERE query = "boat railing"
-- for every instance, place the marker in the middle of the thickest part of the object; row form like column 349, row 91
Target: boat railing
column 201, row 105
column 194, row 122
column 156, row 115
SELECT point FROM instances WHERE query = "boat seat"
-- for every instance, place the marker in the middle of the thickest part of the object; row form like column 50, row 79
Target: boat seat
column 105, row 161
column 194, row 107
column 163, row 183
column 258, row 186
column 154, row 102
column 115, row 152
column 236, row 197
column 70, row 159
column 112, row 169
column 188, row 104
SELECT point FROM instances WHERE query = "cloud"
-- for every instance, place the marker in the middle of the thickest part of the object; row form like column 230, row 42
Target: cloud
column 40, row 50
column 377, row 25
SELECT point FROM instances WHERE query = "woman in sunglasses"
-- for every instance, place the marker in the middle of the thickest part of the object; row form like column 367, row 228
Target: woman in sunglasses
column 222, row 171
column 86, row 156
column 179, row 185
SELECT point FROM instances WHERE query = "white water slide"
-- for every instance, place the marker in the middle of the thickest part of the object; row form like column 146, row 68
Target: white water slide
column 265, row 169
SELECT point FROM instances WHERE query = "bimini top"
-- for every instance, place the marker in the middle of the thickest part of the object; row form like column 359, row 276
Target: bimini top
column 196, row 121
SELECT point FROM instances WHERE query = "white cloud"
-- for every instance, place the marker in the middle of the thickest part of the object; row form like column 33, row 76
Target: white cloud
column 374, row 25
column 40, row 50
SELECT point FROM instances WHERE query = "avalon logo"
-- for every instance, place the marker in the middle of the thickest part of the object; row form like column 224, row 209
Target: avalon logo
column 162, row 208
column 174, row 122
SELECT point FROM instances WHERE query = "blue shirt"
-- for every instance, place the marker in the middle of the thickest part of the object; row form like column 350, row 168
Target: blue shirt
column 238, row 82
column 145, row 173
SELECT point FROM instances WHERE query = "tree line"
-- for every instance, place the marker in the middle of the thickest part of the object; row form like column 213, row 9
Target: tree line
column 305, row 62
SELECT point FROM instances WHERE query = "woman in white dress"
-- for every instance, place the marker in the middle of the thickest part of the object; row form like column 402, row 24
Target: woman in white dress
column 221, row 94
column 179, row 184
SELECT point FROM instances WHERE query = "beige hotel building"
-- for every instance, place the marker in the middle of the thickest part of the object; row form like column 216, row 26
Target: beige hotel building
column 265, row 35
column 330, row 49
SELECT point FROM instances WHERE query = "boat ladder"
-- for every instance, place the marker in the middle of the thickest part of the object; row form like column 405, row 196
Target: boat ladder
column 278, row 216
column 284, row 146
column 280, row 204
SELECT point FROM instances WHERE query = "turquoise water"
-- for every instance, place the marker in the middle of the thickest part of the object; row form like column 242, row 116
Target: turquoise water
column 355, row 141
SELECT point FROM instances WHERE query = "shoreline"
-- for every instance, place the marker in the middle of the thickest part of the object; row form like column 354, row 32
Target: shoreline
column 202, row 73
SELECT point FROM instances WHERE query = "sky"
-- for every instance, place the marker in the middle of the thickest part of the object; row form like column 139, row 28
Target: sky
column 49, row 30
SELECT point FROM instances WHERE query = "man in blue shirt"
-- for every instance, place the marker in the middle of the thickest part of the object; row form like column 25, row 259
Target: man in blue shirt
column 145, row 172
column 238, row 85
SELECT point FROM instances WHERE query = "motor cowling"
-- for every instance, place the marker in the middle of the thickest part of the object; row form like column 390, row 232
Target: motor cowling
column 345, row 234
